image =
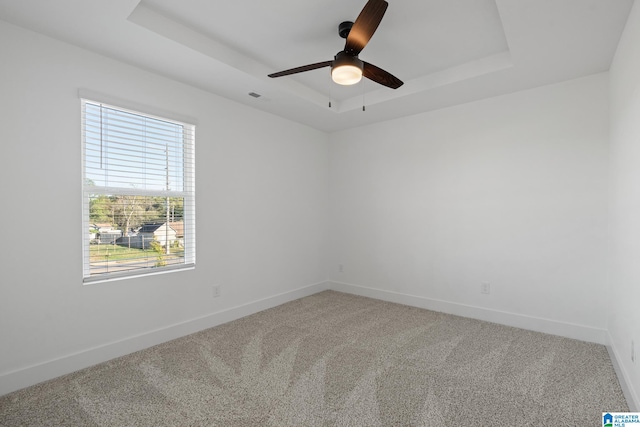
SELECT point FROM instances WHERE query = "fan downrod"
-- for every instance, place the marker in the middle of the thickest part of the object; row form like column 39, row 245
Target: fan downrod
column 344, row 28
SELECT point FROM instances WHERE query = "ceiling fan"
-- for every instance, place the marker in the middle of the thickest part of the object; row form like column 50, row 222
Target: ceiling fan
column 346, row 67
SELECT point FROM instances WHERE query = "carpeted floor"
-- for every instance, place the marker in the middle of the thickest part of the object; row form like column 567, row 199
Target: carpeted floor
column 335, row 359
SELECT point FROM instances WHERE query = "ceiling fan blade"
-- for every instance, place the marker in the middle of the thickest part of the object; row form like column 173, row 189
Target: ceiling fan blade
column 365, row 25
column 381, row 76
column 301, row 69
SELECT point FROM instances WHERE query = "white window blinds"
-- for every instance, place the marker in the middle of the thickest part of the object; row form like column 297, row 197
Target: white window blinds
column 138, row 193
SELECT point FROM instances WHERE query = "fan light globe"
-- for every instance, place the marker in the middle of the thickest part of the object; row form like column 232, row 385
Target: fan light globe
column 346, row 69
column 346, row 75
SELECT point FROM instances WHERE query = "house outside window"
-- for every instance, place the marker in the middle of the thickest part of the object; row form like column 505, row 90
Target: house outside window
column 138, row 193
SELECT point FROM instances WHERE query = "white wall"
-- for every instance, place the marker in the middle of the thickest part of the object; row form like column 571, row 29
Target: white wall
column 261, row 214
column 624, row 296
column 510, row 190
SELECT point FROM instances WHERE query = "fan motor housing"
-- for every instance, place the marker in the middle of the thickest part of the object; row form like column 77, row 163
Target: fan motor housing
column 343, row 58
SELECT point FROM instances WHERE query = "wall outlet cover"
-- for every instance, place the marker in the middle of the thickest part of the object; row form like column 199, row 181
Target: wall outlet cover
column 485, row 288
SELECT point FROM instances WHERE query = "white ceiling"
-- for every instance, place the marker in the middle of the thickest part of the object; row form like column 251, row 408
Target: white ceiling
column 446, row 51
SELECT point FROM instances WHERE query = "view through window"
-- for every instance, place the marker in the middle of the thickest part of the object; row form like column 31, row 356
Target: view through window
column 138, row 193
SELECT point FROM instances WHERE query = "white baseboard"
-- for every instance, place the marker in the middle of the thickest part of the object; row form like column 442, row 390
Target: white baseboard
column 553, row 327
column 24, row 377
column 623, row 377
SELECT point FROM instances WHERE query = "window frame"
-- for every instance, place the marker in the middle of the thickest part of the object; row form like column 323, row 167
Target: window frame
column 187, row 194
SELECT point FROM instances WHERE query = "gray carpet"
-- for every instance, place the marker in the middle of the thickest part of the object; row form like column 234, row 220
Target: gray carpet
column 335, row 359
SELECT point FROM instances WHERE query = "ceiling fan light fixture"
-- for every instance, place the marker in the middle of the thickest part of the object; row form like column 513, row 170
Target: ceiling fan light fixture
column 346, row 75
column 346, row 69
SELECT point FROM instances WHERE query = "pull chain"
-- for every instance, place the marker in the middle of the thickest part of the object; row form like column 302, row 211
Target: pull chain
column 330, row 85
column 363, row 109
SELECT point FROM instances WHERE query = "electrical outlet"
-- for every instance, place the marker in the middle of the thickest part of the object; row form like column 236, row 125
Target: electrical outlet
column 340, row 268
column 485, row 288
column 216, row 291
column 633, row 352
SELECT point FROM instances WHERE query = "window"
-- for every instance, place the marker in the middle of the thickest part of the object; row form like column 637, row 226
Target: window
column 138, row 210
